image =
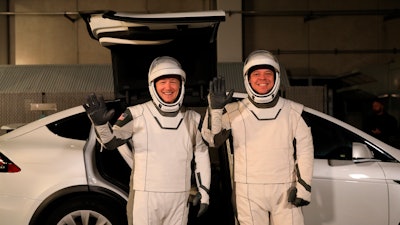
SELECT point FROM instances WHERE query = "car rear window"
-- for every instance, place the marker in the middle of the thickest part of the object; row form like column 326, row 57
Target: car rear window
column 75, row 127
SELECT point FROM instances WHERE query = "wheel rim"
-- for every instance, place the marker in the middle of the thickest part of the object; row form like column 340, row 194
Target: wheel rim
column 84, row 217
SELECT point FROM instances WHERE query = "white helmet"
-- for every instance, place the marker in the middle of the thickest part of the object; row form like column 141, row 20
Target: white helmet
column 263, row 59
column 162, row 66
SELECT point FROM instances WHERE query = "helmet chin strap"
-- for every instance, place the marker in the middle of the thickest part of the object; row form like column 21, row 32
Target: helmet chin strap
column 265, row 105
column 166, row 114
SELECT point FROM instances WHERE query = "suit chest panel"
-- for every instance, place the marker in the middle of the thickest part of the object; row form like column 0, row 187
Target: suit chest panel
column 253, row 127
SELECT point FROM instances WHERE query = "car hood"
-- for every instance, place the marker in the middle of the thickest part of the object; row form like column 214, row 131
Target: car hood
column 134, row 40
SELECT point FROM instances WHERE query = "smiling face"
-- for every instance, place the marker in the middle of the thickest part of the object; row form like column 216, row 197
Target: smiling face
column 168, row 87
column 262, row 80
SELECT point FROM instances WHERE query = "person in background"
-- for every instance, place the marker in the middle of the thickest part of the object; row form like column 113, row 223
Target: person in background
column 272, row 144
column 165, row 137
column 380, row 123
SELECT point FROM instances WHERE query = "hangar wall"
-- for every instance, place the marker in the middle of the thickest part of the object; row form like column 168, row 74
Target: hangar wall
column 43, row 32
column 22, row 112
column 313, row 39
column 22, row 87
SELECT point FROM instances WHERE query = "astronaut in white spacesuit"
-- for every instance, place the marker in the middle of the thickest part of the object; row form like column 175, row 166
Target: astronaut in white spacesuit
column 165, row 137
column 272, row 144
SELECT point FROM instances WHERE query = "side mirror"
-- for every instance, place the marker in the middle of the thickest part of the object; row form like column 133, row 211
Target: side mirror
column 361, row 153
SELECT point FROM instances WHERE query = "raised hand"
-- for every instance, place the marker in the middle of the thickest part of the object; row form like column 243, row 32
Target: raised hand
column 96, row 109
column 218, row 97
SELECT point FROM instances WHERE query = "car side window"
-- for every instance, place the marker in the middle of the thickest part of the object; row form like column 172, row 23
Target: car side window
column 330, row 140
column 75, row 127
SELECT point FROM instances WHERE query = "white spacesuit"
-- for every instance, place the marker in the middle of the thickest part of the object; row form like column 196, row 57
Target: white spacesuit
column 165, row 139
column 272, row 144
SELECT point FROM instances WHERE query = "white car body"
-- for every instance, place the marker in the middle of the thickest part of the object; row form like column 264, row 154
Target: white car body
column 49, row 164
column 343, row 191
column 350, row 192
column 22, row 192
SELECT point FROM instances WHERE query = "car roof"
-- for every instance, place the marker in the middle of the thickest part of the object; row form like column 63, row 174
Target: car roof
column 135, row 40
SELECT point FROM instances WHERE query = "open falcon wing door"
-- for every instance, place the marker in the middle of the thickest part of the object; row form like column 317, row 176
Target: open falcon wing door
column 136, row 39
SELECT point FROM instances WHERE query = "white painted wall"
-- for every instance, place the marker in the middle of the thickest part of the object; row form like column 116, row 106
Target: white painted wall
column 230, row 32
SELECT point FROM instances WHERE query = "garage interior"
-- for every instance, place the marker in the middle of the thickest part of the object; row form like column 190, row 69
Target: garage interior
column 338, row 55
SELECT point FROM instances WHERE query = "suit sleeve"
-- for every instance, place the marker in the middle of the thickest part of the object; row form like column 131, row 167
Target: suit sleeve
column 202, row 166
column 305, row 158
column 216, row 127
column 118, row 134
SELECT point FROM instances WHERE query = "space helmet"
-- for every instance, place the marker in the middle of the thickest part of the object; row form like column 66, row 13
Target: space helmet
column 162, row 66
column 256, row 60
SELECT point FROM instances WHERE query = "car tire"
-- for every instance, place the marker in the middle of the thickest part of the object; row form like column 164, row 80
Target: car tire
column 87, row 210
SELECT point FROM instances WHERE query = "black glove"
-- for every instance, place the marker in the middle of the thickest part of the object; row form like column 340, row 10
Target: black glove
column 203, row 206
column 218, row 97
column 203, row 209
column 97, row 110
column 292, row 198
column 221, row 137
